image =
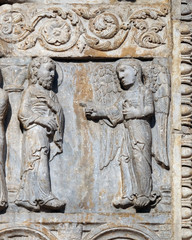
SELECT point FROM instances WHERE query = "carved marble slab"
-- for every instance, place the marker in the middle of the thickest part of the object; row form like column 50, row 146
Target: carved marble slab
column 77, row 30
column 90, row 153
column 95, row 119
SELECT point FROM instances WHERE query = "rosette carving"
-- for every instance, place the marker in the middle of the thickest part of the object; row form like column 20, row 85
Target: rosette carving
column 60, row 33
column 59, row 29
column 57, row 33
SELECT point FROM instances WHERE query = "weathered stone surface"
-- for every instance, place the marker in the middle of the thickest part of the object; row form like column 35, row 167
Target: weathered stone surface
column 80, row 30
column 107, row 85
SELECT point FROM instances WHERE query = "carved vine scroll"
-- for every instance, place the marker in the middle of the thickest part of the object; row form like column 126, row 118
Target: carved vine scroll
column 99, row 28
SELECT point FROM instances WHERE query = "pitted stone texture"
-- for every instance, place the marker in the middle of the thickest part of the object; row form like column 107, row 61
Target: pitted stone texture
column 80, row 30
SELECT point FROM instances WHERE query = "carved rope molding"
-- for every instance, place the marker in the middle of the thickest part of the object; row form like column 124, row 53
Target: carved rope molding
column 61, row 28
column 186, row 112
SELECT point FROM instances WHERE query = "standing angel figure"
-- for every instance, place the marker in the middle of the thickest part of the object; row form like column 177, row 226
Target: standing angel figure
column 42, row 119
column 135, row 109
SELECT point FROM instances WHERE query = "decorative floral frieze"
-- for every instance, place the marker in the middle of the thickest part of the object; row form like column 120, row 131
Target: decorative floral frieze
column 105, row 28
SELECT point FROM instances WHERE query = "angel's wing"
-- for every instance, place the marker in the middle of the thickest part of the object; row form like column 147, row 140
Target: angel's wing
column 158, row 79
column 106, row 93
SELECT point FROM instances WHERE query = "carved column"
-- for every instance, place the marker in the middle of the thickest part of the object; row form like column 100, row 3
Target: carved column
column 14, row 72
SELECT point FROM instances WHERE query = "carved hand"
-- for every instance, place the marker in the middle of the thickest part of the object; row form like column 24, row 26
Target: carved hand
column 132, row 113
column 48, row 122
column 48, row 101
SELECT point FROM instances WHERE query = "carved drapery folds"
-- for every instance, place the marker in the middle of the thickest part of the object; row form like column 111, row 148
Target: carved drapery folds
column 142, row 106
column 89, row 134
column 42, row 120
column 59, row 29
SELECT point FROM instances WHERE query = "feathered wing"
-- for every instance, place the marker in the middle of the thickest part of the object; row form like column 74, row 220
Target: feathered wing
column 106, row 94
column 159, row 80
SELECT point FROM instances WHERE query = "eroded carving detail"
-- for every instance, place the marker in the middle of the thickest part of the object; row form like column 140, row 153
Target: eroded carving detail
column 71, row 231
column 138, row 112
column 147, row 34
column 26, row 232
column 186, row 10
column 3, row 188
column 100, row 28
column 112, row 231
column 42, row 120
column 186, row 111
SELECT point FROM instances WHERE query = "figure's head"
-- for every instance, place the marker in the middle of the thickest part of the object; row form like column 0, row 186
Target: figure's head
column 129, row 71
column 42, row 71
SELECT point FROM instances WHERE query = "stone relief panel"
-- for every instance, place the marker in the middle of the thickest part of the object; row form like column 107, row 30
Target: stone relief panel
column 86, row 133
column 84, row 30
column 95, row 149
column 42, row 121
column 31, row 231
column 112, row 231
column 144, row 134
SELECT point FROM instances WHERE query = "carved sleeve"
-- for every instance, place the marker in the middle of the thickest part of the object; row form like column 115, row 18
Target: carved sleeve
column 148, row 104
column 26, row 115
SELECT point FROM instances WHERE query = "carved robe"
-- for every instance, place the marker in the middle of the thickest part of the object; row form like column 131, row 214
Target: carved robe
column 3, row 189
column 135, row 156
column 39, row 144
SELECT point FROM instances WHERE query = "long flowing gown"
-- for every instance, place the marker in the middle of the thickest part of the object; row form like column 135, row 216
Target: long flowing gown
column 39, row 144
column 135, row 156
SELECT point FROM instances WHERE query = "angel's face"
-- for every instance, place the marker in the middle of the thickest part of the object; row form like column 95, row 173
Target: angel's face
column 127, row 75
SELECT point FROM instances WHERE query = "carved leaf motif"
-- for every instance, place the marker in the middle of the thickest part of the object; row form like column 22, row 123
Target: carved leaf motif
column 13, row 26
column 153, row 14
column 73, row 18
column 100, row 24
column 83, row 12
column 29, row 42
column 140, row 24
column 88, row 13
column 59, row 12
column 105, row 25
column 149, row 40
column 157, row 26
column 91, row 40
column 81, row 45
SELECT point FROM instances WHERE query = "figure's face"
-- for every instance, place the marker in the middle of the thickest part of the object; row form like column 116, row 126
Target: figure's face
column 126, row 75
column 46, row 75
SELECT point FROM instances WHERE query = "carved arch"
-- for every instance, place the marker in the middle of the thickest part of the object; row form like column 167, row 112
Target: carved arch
column 25, row 232
column 115, row 232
